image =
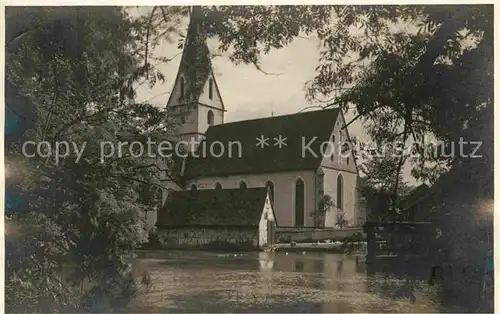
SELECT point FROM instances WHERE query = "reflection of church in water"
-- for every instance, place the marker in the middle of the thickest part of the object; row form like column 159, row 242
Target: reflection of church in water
column 333, row 274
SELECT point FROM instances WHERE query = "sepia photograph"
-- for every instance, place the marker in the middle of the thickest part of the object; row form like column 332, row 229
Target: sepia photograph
column 249, row 158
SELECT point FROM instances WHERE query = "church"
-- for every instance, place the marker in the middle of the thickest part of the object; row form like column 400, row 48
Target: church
column 298, row 158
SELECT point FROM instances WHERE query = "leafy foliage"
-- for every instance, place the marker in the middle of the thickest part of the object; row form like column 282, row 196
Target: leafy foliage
column 353, row 243
column 340, row 220
column 409, row 70
column 396, row 79
column 244, row 31
column 325, row 204
column 76, row 69
column 381, row 192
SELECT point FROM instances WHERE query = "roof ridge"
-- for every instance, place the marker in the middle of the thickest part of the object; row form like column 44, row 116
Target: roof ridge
column 274, row 117
column 222, row 190
column 300, row 135
column 214, row 207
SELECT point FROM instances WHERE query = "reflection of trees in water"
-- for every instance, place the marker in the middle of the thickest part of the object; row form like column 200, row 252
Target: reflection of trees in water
column 299, row 265
column 336, row 306
column 406, row 291
column 360, row 267
column 397, row 289
column 318, row 266
column 223, row 288
column 383, row 285
column 340, row 268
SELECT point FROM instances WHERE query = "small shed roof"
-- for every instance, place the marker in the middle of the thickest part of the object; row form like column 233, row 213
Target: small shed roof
column 234, row 207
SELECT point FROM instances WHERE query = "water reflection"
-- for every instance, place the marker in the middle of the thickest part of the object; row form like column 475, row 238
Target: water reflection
column 266, row 261
column 271, row 282
column 340, row 267
column 360, row 266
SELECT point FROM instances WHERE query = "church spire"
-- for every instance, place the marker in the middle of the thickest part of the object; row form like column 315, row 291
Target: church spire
column 195, row 102
column 195, row 63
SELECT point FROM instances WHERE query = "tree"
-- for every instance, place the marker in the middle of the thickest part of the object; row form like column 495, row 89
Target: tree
column 340, row 220
column 244, row 31
column 402, row 67
column 408, row 83
column 435, row 79
column 71, row 74
column 379, row 165
column 325, row 204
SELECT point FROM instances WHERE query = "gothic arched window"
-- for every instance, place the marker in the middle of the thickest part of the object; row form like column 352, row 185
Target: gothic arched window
column 320, row 177
column 210, row 117
column 210, row 88
column 299, row 203
column 182, row 88
column 270, row 189
column 243, row 184
column 340, row 192
column 218, row 186
column 332, row 148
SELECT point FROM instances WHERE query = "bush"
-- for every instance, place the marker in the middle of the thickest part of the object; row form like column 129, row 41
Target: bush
column 50, row 269
column 341, row 221
column 353, row 243
column 154, row 241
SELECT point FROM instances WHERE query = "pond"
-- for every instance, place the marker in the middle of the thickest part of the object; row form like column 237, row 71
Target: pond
column 274, row 282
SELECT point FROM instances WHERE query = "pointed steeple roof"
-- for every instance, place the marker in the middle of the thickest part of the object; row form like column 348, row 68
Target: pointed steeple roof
column 195, row 64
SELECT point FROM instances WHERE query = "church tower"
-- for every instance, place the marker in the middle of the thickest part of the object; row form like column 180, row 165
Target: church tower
column 195, row 100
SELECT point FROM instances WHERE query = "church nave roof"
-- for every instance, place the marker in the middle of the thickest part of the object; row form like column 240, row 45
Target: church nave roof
column 296, row 131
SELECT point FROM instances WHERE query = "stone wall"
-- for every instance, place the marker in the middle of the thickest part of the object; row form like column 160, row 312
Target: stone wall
column 216, row 237
column 285, row 235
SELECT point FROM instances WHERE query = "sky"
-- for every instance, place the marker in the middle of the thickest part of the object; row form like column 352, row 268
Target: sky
column 248, row 93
